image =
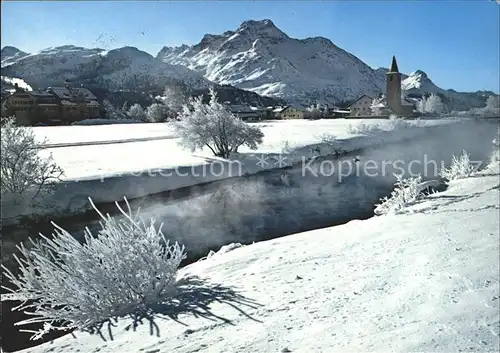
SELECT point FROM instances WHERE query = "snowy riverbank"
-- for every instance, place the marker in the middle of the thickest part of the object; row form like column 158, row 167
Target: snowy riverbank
column 425, row 280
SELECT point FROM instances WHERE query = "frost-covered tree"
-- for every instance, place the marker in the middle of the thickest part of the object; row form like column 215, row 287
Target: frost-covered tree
column 376, row 107
column 174, row 97
column 212, row 125
column 112, row 112
column 492, row 105
column 126, row 270
column 495, row 155
column 136, row 112
column 432, row 105
column 314, row 111
column 22, row 167
column 156, row 112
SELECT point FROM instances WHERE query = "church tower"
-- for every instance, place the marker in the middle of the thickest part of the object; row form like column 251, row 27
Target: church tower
column 394, row 88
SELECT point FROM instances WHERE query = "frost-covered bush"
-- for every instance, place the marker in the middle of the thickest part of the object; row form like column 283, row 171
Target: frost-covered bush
column 460, row 168
column 156, row 112
column 495, row 155
column 213, row 126
column 113, row 112
column 125, row 269
column 22, row 167
column 314, row 111
column 376, row 106
column 286, row 149
column 406, row 191
column 492, row 106
column 328, row 138
column 363, row 128
column 136, row 112
column 395, row 123
column 431, row 105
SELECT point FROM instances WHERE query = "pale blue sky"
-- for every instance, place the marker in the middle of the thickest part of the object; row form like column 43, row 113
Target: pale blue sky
column 455, row 42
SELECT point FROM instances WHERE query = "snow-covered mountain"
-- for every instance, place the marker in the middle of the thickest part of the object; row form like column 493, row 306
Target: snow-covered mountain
column 418, row 84
column 118, row 69
column 258, row 56
column 10, row 55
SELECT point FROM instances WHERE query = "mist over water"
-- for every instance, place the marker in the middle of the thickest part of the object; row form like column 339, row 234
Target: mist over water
column 279, row 203
column 328, row 192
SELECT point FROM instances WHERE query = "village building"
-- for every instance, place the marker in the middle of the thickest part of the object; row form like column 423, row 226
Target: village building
column 249, row 113
column 62, row 105
column 392, row 102
column 288, row 112
column 361, row 106
column 395, row 102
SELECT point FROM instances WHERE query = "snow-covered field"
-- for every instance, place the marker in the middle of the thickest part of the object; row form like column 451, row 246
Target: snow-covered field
column 426, row 280
column 110, row 171
column 111, row 159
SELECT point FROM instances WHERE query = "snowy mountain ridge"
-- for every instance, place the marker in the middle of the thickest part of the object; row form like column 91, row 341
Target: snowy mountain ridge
column 260, row 57
column 122, row 68
column 256, row 57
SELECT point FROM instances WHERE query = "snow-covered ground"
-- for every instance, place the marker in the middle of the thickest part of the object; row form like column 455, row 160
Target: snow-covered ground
column 426, row 280
column 107, row 160
column 110, row 171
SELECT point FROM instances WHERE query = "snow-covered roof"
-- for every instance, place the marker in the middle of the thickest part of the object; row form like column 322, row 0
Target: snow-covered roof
column 241, row 108
column 66, row 93
column 280, row 109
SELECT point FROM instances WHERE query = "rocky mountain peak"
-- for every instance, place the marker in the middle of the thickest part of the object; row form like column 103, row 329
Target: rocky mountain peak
column 264, row 28
column 11, row 51
column 419, row 73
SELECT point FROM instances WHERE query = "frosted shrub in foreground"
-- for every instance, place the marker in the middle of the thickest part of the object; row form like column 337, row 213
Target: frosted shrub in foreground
column 22, row 167
column 460, row 168
column 406, row 191
column 125, row 269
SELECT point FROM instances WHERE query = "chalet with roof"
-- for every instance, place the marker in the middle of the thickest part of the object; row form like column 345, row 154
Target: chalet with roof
column 59, row 105
column 288, row 112
column 250, row 113
column 361, row 106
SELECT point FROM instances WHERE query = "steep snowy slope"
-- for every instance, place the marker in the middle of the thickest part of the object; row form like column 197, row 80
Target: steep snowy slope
column 260, row 57
column 423, row 281
column 123, row 68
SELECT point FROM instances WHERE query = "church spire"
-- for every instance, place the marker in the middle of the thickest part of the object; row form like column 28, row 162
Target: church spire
column 394, row 65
